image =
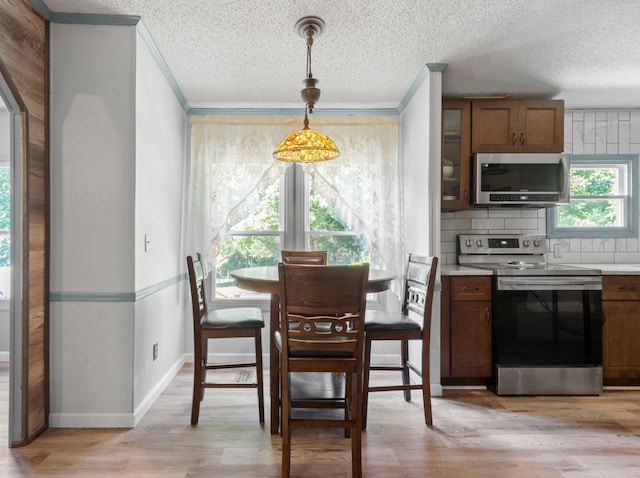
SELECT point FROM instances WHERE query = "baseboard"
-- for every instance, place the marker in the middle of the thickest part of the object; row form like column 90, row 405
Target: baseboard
column 115, row 420
column 91, row 420
column 150, row 399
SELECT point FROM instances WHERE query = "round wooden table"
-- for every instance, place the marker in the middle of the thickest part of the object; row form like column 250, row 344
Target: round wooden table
column 265, row 279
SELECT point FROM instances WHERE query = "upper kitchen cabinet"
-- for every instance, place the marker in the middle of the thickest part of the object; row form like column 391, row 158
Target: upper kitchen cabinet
column 525, row 126
column 456, row 150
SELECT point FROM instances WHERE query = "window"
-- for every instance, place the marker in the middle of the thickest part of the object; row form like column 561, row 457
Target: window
column 604, row 190
column 246, row 207
column 292, row 213
column 5, row 231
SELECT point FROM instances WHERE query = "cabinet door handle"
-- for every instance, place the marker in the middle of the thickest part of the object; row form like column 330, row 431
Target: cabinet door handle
column 470, row 288
column 513, row 139
column 487, row 316
column 626, row 288
column 466, row 194
column 522, row 138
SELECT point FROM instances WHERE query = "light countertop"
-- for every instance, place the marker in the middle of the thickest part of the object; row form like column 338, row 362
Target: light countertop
column 607, row 269
column 613, row 269
column 457, row 270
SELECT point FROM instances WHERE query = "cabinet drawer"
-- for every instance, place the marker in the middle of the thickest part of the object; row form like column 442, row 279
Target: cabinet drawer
column 621, row 288
column 471, row 288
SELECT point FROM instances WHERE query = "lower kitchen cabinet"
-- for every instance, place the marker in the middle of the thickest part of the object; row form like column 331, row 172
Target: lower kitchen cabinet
column 466, row 327
column 621, row 329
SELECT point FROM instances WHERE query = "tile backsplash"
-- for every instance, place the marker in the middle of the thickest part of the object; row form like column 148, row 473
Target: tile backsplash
column 586, row 132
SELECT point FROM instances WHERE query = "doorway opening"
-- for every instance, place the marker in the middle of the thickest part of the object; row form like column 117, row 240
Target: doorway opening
column 11, row 131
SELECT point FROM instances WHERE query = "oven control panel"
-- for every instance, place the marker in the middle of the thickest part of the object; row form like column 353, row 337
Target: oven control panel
column 501, row 244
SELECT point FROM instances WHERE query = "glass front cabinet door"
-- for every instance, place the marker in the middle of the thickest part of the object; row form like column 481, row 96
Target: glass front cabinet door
column 456, row 150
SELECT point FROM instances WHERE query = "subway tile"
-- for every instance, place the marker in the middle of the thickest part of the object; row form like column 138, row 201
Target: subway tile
column 620, row 245
column 496, row 223
column 472, row 213
column 612, row 127
column 522, row 223
column 568, row 129
column 447, row 235
column 494, row 213
column 634, row 119
column 627, row 257
column 575, row 245
column 586, row 245
column 578, row 140
column 589, row 132
column 596, row 257
column 455, row 224
column 601, row 137
column 624, row 137
column 612, row 148
column 632, row 244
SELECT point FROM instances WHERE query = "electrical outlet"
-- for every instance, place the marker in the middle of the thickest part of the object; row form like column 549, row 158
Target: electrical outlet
column 155, row 351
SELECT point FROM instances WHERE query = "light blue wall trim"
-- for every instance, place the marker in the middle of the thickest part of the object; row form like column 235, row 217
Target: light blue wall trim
column 116, row 296
column 429, row 67
column 293, row 111
column 41, row 8
column 155, row 53
column 91, row 19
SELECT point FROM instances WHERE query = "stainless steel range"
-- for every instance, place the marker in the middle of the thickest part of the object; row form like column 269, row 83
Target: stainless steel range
column 546, row 318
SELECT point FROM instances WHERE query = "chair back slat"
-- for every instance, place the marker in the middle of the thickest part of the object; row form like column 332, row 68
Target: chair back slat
column 420, row 281
column 323, row 306
column 197, row 287
column 317, row 258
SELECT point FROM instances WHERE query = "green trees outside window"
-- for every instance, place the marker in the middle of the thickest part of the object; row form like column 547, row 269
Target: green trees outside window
column 604, row 200
column 256, row 240
column 594, row 203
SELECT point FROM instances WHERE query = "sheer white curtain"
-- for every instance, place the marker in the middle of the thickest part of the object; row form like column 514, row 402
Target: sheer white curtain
column 231, row 164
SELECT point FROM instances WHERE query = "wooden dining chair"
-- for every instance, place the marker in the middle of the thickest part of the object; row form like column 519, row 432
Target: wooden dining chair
column 412, row 323
column 218, row 324
column 316, row 258
column 322, row 309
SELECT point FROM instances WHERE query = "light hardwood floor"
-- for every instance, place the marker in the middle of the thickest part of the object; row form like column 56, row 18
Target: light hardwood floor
column 476, row 434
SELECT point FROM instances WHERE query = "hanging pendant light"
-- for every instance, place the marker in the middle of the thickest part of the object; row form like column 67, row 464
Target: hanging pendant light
column 307, row 145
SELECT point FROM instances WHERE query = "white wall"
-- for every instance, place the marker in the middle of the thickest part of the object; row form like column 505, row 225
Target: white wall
column 115, row 171
column 420, row 156
column 586, row 132
column 161, row 171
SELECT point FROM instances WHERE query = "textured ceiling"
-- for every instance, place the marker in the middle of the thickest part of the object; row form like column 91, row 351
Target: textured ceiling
column 246, row 53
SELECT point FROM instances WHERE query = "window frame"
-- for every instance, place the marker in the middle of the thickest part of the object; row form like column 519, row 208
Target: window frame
column 630, row 228
column 294, row 234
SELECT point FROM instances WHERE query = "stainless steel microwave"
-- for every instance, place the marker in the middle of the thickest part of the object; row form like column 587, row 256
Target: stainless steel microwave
column 520, row 179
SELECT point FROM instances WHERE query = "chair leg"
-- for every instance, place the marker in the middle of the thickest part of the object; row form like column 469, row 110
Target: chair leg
column 348, row 401
column 356, row 437
column 198, row 389
column 259, row 375
column 204, row 360
column 285, row 429
column 365, row 380
column 426, row 385
column 404, row 351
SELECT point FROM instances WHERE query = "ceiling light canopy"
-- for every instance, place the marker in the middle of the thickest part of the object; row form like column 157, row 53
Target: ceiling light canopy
column 307, row 145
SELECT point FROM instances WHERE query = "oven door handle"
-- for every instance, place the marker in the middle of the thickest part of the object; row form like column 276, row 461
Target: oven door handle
column 549, row 283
